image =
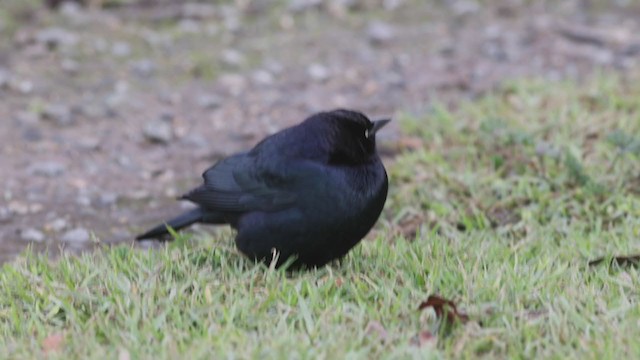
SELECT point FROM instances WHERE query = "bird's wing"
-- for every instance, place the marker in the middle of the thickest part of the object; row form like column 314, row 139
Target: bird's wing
column 239, row 184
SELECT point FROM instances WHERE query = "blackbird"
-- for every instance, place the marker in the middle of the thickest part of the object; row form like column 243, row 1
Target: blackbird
column 311, row 191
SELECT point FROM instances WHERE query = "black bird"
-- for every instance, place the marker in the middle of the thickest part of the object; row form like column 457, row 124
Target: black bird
column 311, row 191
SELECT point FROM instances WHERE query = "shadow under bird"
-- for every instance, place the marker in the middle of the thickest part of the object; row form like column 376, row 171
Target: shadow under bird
column 311, row 191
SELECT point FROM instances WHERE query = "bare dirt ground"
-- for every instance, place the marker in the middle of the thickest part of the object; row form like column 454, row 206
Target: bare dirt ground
column 106, row 114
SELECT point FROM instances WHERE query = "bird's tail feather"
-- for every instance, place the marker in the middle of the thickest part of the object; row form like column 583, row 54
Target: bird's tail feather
column 177, row 223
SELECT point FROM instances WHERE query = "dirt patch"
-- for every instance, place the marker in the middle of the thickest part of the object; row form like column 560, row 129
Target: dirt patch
column 108, row 114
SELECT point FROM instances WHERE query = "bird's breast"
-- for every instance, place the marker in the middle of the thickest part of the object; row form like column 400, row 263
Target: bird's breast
column 347, row 194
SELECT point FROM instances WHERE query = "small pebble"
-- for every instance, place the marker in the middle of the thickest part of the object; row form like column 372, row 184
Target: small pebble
column 83, row 200
column 198, row 11
column 273, row 66
column 464, row 7
column 5, row 215
column 318, row 72
column 31, row 134
column 380, row 33
column 262, row 77
column 5, row 79
column 35, row 208
column 24, row 87
column 209, row 102
column 47, row 169
column 89, row 143
column 107, row 199
column 69, row 66
column 55, row 37
column 196, row 141
column 125, row 162
column 143, row 68
column 18, row 207
column 71, row 9
column 57, row 225
column 235, row 84
column 169, row 98
column 232, row 20
column 31, row 235
column 120, row 49
column 58, row 114
column 189, row 26
column 233, row 58
column 392, row 4
column 76, row 236
column 297, row 6
column 158, row 131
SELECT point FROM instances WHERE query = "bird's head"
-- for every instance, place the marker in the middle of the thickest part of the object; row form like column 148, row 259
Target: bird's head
column 351, row 136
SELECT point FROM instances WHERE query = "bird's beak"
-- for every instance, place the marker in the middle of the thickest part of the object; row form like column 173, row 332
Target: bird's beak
column 378, row 124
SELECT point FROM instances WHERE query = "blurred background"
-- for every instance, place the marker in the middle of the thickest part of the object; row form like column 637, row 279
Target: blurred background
column 109, row 109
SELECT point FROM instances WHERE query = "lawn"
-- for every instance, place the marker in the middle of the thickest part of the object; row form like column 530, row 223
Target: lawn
column 498, row 204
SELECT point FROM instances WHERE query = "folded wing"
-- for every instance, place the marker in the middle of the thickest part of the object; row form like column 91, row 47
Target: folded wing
column 239, row 184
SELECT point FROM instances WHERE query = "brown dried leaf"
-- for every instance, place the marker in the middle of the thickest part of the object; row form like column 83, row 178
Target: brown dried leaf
column 500, row 217
column 632, row 260
column 52, row 342
column 409, row 226
column 444, row 309
column 424, row 338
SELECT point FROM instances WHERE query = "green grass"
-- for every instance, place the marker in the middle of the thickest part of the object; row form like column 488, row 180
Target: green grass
column 500, row 209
